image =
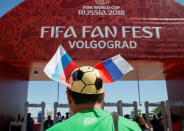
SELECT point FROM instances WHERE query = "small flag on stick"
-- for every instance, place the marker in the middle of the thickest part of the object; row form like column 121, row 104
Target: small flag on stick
column 113, row 68
column 59, row 68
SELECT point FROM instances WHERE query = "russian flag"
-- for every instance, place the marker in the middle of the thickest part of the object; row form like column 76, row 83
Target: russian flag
column 60, row 66
column 113, row 68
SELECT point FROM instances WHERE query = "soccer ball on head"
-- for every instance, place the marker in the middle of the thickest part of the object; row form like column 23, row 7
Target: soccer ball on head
column 86, row 80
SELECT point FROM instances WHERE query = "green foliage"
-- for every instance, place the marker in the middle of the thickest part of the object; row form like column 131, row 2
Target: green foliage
column 156, row 110
column 139, row 112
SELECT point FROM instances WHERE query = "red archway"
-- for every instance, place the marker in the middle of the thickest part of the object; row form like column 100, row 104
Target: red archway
column 149, row 34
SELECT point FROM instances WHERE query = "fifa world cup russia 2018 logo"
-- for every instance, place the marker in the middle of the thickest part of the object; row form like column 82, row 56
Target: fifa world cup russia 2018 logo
column 102, row 2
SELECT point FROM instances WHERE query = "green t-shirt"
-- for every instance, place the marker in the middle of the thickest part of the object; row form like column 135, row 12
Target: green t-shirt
column 94, row 120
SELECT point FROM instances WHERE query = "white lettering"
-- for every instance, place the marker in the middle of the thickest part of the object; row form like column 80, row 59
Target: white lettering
column 84, row 30
column 133, row 44
column 97, row 28
column 125, row 44
column 72, row 44
column 78, row 44
column 117, row 44
column 67, row 35
column 57, row 30
column 93, row 44
column 43, row 30
column 124, row 31
column 134, row 31
column 110, row 44
column 144, row 29
column 157, row 31
column 103, row 44
column 108, row 30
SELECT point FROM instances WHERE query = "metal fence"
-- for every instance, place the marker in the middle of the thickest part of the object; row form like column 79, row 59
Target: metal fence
column 164, row 105
column 26, row 106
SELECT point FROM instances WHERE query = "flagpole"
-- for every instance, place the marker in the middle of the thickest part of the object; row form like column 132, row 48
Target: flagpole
column 138, row 89
column 58, row 93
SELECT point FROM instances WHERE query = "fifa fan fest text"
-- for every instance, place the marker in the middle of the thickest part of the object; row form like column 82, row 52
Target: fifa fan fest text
column 101, row 37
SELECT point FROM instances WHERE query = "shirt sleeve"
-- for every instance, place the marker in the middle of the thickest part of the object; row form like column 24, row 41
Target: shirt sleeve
column 128, row 125
column 53, row 128
column 50, row 129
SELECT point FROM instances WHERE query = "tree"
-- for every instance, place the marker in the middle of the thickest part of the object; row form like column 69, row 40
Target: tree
column 156, row 110
column 139, row 112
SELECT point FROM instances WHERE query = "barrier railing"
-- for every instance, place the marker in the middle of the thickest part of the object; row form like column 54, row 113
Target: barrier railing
column 56, row 105
column 119, row 106
column 26, row 105
column 164, row 106
column 163, row 111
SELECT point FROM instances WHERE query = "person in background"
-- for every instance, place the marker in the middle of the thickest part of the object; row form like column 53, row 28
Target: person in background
column 160, row 122
column 67, row 115
column 30, row 122
column 58, row 117
column 127, row 116
column 144, row 116
column 48, row 123
column 141, row 122
column 62, row 118
column 155, row 123
column 18, row 118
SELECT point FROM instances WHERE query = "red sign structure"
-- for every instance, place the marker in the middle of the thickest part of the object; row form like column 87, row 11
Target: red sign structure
column 148, row 33
column 93, row 30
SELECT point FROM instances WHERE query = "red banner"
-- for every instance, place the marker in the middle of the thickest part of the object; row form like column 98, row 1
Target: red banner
column 93, row 30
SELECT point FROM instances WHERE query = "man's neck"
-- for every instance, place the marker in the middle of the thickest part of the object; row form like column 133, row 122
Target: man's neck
column 80, row 107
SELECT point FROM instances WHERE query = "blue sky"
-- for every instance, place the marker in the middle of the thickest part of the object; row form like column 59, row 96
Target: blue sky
column 7, row 5
column 180, row 1
column 127, row 91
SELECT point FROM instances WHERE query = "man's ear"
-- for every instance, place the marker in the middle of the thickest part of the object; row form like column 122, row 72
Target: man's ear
column 69, row 97
column 103, row 98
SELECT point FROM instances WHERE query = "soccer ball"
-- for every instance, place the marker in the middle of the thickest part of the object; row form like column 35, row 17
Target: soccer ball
column 86, row 80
